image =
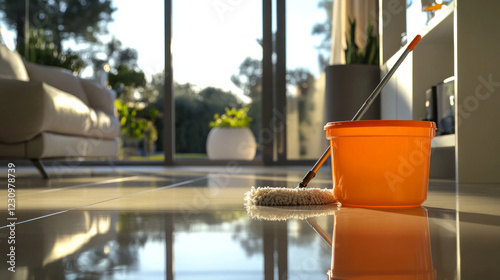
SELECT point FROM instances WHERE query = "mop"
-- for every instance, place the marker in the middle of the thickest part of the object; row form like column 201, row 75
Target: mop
column 267, row 196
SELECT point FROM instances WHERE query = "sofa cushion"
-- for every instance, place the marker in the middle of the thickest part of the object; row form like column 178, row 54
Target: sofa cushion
column 100, row 98
column 11, row 65
column 57, row 77
column 51, row 145
column 35, row 107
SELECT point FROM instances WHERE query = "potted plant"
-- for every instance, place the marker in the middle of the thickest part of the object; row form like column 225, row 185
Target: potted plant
column 349, row 85
column 231, row 137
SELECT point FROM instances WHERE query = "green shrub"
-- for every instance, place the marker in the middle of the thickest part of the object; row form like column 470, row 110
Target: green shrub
column 232, row 119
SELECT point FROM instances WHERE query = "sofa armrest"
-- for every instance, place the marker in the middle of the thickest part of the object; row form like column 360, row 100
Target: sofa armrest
column 28, row 108
column 21, row 104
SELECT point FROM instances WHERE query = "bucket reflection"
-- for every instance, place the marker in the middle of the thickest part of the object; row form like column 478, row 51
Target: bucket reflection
column 381, row 244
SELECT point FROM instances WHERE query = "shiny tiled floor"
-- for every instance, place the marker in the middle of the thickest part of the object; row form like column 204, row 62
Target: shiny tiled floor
column 190, row 223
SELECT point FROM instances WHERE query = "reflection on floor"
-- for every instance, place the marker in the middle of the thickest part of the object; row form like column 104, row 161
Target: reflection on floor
column 190, row 223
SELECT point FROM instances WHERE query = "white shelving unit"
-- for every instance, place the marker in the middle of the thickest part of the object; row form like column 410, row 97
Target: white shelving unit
column 444, row 141
column 461, row 41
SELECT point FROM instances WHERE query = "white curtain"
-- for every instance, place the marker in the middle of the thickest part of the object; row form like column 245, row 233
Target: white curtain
column 364, row 11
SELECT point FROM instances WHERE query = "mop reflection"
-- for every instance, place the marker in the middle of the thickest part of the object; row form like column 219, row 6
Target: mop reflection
column 381, row 244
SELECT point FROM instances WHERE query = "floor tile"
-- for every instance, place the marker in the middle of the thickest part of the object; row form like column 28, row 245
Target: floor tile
column 191, row 223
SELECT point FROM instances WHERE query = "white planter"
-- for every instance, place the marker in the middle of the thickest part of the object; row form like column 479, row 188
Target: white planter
column 231, row 143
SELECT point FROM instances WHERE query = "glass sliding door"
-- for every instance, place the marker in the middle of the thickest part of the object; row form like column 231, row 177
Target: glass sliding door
column 308, row 33
column 216, row 64
column 135, row 50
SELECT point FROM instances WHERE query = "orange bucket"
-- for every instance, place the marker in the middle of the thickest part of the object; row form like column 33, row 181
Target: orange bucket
column 380, row 163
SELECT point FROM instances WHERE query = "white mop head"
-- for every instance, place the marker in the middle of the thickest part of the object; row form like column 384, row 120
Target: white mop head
column 288, row 196
column 283, row 213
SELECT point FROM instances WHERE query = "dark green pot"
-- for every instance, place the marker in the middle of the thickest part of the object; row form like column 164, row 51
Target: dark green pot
column 346, row 90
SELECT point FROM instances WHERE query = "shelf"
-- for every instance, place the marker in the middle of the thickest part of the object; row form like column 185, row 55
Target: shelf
column 444, row 141
column 457, row 42
column 440, row 28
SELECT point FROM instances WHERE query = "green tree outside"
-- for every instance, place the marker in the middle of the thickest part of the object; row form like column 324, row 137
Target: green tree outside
column 61, row 19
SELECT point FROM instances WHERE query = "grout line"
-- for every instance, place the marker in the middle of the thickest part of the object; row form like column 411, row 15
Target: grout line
column 84, row 185
column 111, row 199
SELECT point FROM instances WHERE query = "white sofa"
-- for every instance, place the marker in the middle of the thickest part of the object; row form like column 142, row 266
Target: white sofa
column 47, row 112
